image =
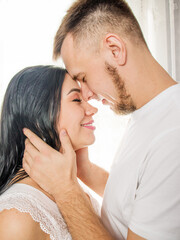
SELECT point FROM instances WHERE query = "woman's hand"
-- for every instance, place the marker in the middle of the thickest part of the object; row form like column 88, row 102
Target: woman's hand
column 53, row 171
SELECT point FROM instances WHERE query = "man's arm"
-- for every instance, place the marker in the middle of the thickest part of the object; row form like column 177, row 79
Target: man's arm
column 80, row 217
column 89, row 173
column 56, row 173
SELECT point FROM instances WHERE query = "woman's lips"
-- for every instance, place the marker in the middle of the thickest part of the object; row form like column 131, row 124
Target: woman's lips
column 89, row 125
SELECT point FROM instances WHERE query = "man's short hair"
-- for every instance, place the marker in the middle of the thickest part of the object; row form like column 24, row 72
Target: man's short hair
column 90, row 20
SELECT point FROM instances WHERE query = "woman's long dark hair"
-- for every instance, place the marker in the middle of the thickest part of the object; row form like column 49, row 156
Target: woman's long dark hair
column 32, row 100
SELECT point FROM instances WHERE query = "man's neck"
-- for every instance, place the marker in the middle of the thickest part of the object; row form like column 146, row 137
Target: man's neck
column 145, row 78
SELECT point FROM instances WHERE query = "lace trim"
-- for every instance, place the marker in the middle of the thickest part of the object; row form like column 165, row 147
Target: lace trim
column 50, row 223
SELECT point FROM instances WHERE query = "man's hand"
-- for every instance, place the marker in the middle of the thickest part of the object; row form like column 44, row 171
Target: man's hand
column 55, row 172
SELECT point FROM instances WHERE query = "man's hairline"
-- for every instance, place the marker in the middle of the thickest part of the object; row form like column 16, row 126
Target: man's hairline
column 74, row 76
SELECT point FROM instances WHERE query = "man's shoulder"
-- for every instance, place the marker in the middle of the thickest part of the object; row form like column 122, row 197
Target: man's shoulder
column 169, row 138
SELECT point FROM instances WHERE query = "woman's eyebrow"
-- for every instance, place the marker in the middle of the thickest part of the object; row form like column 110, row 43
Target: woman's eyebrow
column 74, row 90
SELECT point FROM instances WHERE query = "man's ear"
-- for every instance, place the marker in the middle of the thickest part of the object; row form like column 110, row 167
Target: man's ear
column 116, row 48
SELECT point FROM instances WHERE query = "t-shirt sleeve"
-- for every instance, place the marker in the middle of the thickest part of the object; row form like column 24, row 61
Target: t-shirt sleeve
column 156, row 210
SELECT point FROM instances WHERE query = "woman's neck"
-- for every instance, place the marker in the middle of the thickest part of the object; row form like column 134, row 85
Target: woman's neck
column 32, row 183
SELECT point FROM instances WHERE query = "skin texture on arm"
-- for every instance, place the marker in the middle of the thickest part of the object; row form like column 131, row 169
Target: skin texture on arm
column 56, row 173
column 89, row 173
column 82, row 221
column 15, row 225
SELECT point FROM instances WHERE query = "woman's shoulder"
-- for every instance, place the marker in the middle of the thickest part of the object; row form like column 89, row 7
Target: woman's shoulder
column 26, row 195
column 20, row 225
column 25, row 198
column 21, row 208
column 28, row 198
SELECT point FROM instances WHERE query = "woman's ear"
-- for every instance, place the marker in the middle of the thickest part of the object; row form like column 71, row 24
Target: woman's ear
column 116, row 48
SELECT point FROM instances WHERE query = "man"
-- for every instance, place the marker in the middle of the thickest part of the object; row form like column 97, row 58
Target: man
column 103, row 48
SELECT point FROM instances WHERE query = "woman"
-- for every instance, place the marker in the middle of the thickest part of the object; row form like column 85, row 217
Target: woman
column 43, row 99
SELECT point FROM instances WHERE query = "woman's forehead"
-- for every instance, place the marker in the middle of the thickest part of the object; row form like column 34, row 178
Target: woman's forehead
column 69, row 83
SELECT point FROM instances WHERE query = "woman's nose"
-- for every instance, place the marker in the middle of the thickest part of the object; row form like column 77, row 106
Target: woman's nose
column 90, row 110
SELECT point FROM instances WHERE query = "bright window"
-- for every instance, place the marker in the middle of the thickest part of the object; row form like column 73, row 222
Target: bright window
column 27, row 29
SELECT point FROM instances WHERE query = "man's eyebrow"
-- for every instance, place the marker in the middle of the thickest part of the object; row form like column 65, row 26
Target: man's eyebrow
column 77, row 76
column 74, row 90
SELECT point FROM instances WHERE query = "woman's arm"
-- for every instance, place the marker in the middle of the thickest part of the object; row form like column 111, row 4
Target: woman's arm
column 15, row 225
column 89, row 173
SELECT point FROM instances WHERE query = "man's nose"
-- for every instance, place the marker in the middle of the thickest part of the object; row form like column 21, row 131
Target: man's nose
column 90, row 110
column 87, row 93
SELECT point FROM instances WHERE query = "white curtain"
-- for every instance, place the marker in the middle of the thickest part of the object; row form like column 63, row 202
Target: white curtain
column 160, row 22
column 176, row 6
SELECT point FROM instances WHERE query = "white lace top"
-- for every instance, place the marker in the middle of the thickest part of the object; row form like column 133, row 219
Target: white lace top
column 42, row 209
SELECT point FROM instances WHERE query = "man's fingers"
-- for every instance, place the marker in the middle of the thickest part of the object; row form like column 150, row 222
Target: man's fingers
column 65, row 141
column 39, row 144
column 34, row 145
column 26, row 166
column 27, row 159
column 30, row 149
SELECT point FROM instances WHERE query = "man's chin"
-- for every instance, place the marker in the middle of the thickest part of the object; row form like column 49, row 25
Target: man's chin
column 120, row 108
column 123, row 109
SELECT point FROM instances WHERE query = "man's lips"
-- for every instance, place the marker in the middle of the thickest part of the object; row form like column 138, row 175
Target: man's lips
column 105, row 102
column 89, row 125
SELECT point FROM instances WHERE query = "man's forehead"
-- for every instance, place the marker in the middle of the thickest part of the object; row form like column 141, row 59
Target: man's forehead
column 68, row 40
column 71, row 58
column 67, row 50
column 68, row 46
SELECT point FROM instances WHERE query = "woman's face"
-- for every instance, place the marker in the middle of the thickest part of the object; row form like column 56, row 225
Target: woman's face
column 76, row 115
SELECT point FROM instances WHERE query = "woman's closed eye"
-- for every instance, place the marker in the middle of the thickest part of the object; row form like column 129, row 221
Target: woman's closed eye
column 77, row 100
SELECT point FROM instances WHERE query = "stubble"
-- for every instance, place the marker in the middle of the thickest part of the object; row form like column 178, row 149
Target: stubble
column 124, row 103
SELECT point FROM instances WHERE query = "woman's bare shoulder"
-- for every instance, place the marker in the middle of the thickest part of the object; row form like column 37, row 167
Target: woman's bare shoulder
column 15, row 225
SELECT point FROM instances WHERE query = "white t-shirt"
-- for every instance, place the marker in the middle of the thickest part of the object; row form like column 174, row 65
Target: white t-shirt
column 143, row 189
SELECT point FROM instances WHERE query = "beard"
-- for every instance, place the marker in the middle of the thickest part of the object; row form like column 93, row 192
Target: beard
column 124, row 103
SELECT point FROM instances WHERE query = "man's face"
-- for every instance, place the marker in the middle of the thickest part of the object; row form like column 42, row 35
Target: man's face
column 97, row 78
